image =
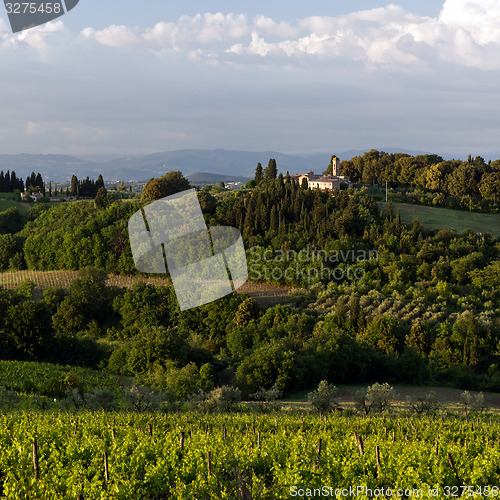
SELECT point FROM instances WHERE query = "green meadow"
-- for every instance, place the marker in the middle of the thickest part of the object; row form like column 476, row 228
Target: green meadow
column 446, row 218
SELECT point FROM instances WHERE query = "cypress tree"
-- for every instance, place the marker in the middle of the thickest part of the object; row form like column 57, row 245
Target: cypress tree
column 271, row 170
column 258, row 173
column 282, row 226
column 13, row 181
column 389, row 212
column 99, row 183
column 280, row 185
column 74, row 185
column 249, row 217
column 273, row 221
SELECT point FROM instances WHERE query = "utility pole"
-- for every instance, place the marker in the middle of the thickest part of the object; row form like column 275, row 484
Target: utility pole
column 386, row 191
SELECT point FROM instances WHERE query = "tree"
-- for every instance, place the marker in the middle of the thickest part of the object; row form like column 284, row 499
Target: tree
column 377, row 397
column 266, row 398
column 462, row 181
column 27, row 327
column 11, row 249
column 171, row 183
column 142, row 305
column 419, row 337
column 208, row 202
column 88, row 300
column 68, row 319
column 472, row 403
column 427, row 404
column 11, row 221
column 258, row 173
column 385, row 333
column 38, row 182
column 74, row 185
column 140, row 399
column 271, row 171
column 324, row 399
column 182, row 382
column 223, row 398
column 101, row 198
column 246, row 312
column 489, row 277
column 489, row 187
column 278, row 362
column 157, row 347
column 99, row 183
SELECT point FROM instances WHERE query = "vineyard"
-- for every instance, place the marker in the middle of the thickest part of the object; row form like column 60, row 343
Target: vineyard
column 62, row 279
column 264, row 294
column 30, row 378
column 244, row 456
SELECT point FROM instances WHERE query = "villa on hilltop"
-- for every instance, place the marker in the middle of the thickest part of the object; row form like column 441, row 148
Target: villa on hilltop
column 324, row 182
column 33, row 196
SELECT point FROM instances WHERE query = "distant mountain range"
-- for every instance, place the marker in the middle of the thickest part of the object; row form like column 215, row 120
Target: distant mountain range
column 221, row 164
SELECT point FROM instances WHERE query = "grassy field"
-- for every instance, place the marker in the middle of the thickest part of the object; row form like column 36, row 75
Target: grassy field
column 35, row 378
column 448, row 397
column 263, row 294
column 5, row 204
column 445, row 218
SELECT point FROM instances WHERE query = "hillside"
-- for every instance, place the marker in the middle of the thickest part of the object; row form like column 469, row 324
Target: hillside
column 204, row 178
column 222, row 163
column 445, row 218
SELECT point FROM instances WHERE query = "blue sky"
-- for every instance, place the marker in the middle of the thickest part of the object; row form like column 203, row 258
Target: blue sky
column 99, row 13
column 121, row 77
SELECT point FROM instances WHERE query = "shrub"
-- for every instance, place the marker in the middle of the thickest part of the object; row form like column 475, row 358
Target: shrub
column 8, row 398
column 324, row 399
column 472, row 403
column 377, row 397
column 222, row 399
column 427, row 404
column 101, row 399
column 74, row 399
column 140, row 399
column 266, row 398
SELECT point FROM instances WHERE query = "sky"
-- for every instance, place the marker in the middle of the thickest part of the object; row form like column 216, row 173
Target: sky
column 124, row 77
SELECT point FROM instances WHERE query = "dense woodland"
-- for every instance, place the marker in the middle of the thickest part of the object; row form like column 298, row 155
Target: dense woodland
column 424, row 309
column 454, row 183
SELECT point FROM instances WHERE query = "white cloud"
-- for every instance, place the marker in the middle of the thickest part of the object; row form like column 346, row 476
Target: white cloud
column 271, row 27
column 236, row 81
column 114, row 36
column 33, row 127
column 481, row 18
column 466, row 33
column 41, row 39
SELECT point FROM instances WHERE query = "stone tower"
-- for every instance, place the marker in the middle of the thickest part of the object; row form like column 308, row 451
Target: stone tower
column 335, row 166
